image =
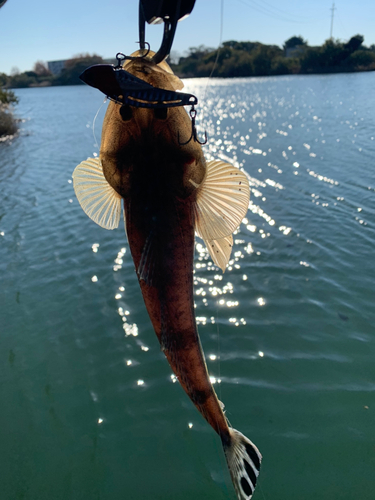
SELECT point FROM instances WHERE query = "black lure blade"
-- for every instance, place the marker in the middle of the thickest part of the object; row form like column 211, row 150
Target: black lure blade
column 102, row 77
column 125, row 88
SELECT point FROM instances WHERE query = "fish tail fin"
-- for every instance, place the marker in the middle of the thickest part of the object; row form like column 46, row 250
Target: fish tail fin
column 243, row 459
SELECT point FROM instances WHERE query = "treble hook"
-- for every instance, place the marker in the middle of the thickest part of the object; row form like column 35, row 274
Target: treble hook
column 193, row 114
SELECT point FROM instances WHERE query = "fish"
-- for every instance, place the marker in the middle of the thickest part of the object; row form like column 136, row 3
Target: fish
column 170, row 193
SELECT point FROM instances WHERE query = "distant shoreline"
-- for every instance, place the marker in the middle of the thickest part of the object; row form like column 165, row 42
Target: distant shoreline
column 232, row 59
column 334, row 71
column 331, row 71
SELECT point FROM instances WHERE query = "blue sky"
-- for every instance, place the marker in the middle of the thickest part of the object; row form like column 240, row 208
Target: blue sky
column 50, row 30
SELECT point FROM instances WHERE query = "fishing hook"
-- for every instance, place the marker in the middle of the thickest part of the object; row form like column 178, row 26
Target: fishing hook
column 122, row 57
column 193, row 114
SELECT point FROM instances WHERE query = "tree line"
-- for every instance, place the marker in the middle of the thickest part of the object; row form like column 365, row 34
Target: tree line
column 234, row 59
column 256, row 59
column 40, row 75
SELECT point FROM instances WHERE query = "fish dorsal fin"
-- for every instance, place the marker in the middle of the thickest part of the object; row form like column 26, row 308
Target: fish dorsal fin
column 221, row 204
column 220, row 251
column 97, row 198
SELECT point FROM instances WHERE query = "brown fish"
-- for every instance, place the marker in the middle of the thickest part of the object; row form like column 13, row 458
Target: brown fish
column 170, row 193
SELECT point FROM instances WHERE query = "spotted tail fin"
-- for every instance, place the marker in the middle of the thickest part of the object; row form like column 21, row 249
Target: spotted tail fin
column 243, row 459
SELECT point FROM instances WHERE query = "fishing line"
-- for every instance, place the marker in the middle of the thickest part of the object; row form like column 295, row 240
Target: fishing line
column 94, row 120
column 217, row 57
column 259, row 487
column 342, row 25
column 219, row 447
column 202, row 117
column 220, row 39
column 218, row 348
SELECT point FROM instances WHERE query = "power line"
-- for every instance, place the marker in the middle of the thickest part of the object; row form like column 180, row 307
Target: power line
column 271, row 11
column 333, row 8
column 347, row 34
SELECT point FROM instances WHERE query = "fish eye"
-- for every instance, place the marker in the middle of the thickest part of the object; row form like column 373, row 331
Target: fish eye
column 161, row 113
column 126, row 112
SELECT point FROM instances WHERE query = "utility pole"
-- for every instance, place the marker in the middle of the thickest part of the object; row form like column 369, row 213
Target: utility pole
column 333, row 8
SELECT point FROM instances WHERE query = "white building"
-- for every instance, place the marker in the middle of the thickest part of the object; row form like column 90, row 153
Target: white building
column 56, row 67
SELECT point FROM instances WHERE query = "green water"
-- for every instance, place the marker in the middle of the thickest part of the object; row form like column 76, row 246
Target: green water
column 88, row 406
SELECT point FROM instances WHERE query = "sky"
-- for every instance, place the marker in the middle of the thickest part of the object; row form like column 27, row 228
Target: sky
column 48, row 30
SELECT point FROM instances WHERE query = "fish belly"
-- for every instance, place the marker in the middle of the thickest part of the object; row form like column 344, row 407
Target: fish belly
column 162, row 245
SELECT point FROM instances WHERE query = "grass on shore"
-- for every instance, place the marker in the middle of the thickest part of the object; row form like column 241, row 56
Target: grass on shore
column 8, row 124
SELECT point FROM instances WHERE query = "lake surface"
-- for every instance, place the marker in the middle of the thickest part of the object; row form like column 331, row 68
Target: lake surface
column 89, row 409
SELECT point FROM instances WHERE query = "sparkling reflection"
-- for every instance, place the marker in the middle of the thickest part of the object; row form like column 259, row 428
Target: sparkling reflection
column 119, row 259
column 276, row 158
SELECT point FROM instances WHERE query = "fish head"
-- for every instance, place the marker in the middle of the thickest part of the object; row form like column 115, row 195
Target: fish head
column 147, row 143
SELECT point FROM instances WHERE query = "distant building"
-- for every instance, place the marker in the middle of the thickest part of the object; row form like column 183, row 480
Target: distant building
column 56, row 67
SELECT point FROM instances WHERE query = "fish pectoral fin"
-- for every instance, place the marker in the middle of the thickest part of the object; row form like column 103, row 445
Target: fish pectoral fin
column 222, row 201
column 220, row 251
column 221, row 204
column 97, row 198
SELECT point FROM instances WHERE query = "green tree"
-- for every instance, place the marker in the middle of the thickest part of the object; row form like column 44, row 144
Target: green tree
column 245, row 46
column 240, row 63
column 41, row 69
column 362, row 59
column 199, row 52
column 253, row 58
column 74, row 67
column 332, row 54
column 285, row 66
column 262, row 61
column 311, row 60
column 354, row 43
column 7, row 97
column 3, row 79
column 294, row 41
column 22, row 80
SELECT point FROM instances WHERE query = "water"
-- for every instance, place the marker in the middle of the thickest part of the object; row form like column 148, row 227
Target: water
column 88, row 406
